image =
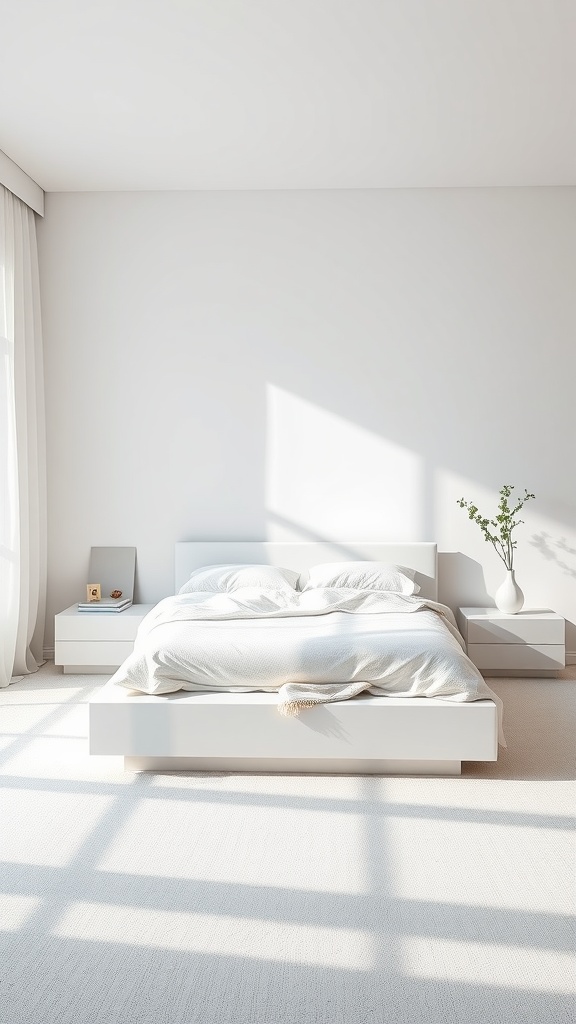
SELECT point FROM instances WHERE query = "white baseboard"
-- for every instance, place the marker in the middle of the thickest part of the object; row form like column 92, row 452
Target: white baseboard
column 571, row 657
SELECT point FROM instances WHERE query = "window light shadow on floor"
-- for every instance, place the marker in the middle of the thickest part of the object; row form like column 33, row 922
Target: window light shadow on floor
column 253, row 899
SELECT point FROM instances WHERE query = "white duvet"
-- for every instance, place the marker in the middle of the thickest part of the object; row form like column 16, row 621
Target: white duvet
column 312, row 647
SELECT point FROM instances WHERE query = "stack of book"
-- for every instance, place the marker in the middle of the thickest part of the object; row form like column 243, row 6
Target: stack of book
column 107, row 604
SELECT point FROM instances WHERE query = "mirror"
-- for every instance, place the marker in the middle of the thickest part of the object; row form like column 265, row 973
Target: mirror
column 113, row 569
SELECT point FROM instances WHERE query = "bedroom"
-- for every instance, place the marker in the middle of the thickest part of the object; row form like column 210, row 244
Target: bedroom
column 338, row 301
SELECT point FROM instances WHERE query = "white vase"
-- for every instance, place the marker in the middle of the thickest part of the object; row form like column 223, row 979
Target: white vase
column 509, row 598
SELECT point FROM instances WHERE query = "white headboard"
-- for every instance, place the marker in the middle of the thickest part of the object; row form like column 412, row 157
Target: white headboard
column 420, row 556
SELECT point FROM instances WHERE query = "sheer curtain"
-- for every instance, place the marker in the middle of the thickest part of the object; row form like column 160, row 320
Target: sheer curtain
column 22, row 446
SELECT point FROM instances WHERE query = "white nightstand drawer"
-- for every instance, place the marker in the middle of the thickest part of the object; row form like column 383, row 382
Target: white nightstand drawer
column 517, row 656
column 489, row 626
column 92, row 652
column 74, row 625
column 516, row 630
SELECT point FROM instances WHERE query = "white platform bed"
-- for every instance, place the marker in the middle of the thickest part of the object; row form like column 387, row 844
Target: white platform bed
column 244, row 731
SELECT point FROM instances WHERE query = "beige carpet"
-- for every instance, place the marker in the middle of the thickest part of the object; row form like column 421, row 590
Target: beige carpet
column 236, row 899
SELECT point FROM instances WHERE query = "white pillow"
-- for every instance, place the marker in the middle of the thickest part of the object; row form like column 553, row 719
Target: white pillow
column 218, row 579
column 361, row 576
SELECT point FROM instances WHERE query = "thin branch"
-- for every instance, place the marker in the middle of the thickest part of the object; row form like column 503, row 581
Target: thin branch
column 503, row 524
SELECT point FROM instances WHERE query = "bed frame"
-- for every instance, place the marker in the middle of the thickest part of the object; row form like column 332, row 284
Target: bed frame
column 243, row 732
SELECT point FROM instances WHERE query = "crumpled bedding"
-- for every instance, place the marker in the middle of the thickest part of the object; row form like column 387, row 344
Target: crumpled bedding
column 312, row 647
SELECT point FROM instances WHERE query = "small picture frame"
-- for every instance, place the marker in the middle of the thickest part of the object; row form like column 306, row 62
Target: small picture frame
column 93, row 592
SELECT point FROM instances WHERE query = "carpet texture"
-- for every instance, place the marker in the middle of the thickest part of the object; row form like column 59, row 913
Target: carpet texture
column 253, row 899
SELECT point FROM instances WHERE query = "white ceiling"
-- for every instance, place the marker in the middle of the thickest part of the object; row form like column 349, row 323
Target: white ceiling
column 224, row 94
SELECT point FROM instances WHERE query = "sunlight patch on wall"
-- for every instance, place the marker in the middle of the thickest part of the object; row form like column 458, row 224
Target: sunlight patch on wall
column 328, row 478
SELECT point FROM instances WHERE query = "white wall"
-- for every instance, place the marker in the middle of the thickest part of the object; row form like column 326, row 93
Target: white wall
column 339, row 364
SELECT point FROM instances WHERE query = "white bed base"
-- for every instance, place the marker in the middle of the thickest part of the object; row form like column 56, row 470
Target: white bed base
column 244, row 732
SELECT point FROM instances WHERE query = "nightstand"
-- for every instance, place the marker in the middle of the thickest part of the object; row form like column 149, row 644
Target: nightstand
column 96, row 641
column 530, row 643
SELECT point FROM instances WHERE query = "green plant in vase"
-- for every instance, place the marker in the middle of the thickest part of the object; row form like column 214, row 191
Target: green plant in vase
column 498, row 532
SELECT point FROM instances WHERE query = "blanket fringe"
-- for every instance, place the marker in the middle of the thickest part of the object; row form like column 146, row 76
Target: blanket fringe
column 294, row 707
